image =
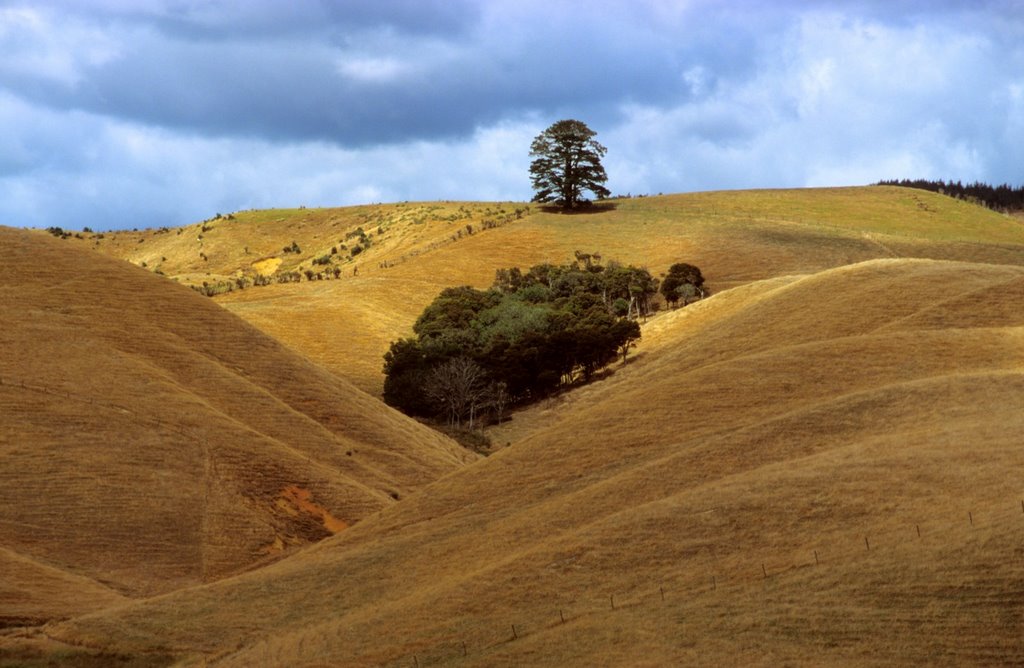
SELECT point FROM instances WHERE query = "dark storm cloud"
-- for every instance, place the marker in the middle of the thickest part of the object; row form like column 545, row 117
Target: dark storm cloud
column 354, row 79
column 270, row 19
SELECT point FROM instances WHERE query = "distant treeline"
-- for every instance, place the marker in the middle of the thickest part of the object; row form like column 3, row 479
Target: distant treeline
column 1004, row 197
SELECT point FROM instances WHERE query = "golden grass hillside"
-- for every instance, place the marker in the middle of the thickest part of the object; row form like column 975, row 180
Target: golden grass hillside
column 816, row 470
column 417, row 249
column 150, row 440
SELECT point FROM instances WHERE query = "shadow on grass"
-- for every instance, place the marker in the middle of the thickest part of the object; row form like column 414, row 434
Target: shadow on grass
column 74, row 658
column 585, row 208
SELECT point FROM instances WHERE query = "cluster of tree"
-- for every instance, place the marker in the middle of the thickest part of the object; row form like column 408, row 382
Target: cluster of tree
column 683, row 282
column 60, row 233
column 259, row 280
column 478, row 351
column 1004, row 197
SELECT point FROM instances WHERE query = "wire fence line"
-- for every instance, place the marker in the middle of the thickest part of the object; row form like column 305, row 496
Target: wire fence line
column 759, row 569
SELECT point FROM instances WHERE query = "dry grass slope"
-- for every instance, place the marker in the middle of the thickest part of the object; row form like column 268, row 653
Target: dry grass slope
column 419, row 248
column 811, row 470
column 150, row 440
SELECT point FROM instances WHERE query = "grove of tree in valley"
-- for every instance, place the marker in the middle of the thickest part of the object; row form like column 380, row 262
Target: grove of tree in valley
column 478, row 352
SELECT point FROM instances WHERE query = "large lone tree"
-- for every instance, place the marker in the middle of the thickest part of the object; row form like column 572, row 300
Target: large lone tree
column 566, row 162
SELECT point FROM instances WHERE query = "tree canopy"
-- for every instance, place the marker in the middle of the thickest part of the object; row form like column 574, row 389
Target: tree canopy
column 683, row 282
column 566, row 163
column 528, row 334
column 476, row 352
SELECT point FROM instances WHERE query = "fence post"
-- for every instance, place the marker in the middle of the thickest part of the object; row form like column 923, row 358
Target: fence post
column 515, row 636
column 816, row 558
column 867, row 544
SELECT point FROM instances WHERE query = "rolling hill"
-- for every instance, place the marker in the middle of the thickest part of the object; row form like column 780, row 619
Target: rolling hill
column 417, row 249
column 811, row 469
column 151, row 440
column 813, row 466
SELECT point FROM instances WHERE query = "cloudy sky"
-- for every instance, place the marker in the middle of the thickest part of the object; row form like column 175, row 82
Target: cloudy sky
column 140, row 113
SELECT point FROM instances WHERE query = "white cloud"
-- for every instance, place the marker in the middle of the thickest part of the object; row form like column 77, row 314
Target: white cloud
column 838, row 101
column 36, row 44
column 377, row 70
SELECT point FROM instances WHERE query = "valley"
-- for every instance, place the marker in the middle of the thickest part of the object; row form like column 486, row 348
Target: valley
column 811, row 466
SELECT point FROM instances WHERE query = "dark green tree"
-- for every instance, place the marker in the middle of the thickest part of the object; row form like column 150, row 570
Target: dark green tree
column 406, row 370
column 566, row 163
column 634, row 286
column 477, row 351
column 684, row 281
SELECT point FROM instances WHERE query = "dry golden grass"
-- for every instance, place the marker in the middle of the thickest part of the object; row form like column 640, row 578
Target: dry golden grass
column 33, row 593
column 150, row 440
column 735, row 237
column 748, row 491
column 814, row 466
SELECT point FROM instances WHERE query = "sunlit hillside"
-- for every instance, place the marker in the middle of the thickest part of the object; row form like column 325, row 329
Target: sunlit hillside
column 416, row 249
column 809, row 470
column 151, row 440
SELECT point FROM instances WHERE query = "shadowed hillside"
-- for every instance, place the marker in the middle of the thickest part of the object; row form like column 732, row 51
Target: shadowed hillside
column 150, row 440
column 417, row 249
column 810, row 470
